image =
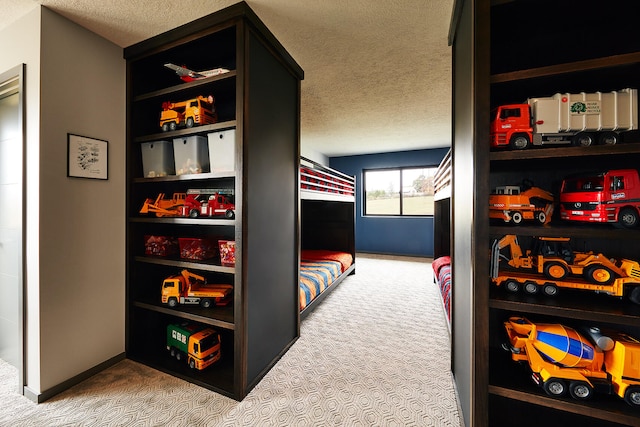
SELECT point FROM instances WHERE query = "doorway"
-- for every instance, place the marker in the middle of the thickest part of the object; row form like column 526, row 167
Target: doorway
column 12, row 201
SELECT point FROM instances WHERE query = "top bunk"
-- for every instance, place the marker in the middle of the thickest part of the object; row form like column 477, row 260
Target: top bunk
column 442, row 179
column 318, row 182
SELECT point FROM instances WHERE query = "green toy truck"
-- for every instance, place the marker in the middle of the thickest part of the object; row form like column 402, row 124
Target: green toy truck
column 199, row 347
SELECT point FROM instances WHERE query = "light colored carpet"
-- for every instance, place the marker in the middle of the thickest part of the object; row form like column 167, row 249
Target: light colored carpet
column 375, row 353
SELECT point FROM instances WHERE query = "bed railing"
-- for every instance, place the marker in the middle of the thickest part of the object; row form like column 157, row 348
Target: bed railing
column 318, row 182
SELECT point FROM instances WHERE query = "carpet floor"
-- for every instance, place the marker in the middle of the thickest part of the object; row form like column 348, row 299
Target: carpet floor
column 375, row 353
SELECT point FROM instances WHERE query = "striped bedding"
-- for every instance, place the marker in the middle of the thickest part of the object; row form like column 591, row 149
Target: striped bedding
column 318, row 270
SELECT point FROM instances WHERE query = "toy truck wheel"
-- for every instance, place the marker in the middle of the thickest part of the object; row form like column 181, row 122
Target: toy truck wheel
column 165, row 127
column 608, row 138
column 555, row 270
column 512, row 285
column 190, row 122
column 599, row 274
column 178, row 355
column 172, row 126
column 519, row 141
column 628, row 218
column 634, row 296
column 531, row 287
column 580, row 390
column 550, row 289
column 582, row 139
column 555, row 387
column 516, row 217
column 541, row 217
column 193, row 213
column 229, row 214
column 632, row 396
column 172, row 302
column 172, row 352
column 205, row 303
column 192, row 364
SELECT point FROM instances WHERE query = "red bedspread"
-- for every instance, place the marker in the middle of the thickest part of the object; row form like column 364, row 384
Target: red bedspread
column 345, row 259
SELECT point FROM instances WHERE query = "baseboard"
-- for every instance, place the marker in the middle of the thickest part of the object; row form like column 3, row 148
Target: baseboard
column 48, row 394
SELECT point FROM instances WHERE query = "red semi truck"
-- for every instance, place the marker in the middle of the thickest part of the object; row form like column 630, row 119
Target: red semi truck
column 610, row 196
column 581, row 119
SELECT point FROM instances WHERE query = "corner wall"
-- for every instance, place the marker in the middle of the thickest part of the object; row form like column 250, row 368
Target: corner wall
column 390, row 235
column 82, row 221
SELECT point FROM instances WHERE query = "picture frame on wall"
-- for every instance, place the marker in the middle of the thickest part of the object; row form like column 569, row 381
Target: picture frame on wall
column 87, row 157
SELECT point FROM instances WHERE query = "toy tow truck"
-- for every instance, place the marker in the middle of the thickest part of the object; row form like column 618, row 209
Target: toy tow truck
column 190, row 288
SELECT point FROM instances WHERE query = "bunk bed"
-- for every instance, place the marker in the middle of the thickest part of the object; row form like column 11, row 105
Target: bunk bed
column 442, row 232
column 327, row 225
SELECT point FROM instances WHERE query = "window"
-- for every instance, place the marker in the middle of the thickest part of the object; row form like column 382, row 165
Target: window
column 403, row 191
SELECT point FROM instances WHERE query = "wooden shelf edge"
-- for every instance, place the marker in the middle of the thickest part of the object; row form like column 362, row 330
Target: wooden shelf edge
column 187, row 264
column 575, row 408
column 184, row 315
column 564, row 151
column 184, row 86
column 571, row 67
column 228, row 124
column 186, row 177
column 186, row 221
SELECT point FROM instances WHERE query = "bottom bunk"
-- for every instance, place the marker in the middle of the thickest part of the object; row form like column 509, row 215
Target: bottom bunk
column 320, row 272
column 442, row 277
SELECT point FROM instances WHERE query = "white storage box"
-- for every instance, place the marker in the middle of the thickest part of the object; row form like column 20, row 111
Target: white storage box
column 191, row 155
column 157, row 159
column 222, row 150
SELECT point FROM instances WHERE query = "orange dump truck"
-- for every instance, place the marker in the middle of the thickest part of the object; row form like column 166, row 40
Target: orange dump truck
column 512, row 203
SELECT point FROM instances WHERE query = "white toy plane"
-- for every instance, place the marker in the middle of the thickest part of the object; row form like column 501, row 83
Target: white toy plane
column 189, row 75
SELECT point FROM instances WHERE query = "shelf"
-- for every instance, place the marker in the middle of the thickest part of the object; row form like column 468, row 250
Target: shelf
column 186, row 221
column 230, row 124
column 206, row 265
column 560, row 228
column 186, row 177
column 221, row 317
column 513, row 380
column 185, row 86
column 569, row 303
column 572, row 67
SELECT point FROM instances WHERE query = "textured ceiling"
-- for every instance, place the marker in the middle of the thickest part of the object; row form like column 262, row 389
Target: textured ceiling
column 377, row 72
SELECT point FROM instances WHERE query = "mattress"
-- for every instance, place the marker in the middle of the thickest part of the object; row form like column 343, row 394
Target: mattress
column 318, row 270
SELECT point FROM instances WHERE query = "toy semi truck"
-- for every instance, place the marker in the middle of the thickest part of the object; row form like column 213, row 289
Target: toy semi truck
column 512, row 203
column 581, row 119
column 562, row 360
column 189, row 113
column 199, row 347
column 189, row 288
column 552, row 265
column 611, row 196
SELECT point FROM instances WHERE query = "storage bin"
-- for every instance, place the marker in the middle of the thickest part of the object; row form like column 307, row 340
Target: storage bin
column 222, row 150
column 162, row 246
column 191, row 155
column 157, row 159
column 227, row 252
column 197, row 248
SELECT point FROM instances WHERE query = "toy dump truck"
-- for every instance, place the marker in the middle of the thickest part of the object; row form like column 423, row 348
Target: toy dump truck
column 611, row 196
column 199, row 347
column 513, row 203
column 190, row 288
column 552, row 265
column 188, row 113
column 581, row 119
column 562, row 360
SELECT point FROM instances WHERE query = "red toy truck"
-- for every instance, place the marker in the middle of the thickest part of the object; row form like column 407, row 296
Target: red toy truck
column 209, row 203
column 610, row 196
column 581, row 119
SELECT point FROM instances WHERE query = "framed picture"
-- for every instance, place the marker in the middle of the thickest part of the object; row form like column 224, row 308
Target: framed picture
column 87, row 157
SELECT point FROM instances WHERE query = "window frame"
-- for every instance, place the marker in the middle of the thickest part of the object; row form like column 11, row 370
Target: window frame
column 400, row 170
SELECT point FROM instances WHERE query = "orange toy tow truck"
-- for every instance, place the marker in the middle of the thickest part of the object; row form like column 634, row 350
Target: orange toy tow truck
column 190, row 288
column 561, row 359
column 514, row 204
column 189, row 113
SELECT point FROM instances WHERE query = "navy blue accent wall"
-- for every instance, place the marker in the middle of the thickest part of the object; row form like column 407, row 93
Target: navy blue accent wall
column 390, row 235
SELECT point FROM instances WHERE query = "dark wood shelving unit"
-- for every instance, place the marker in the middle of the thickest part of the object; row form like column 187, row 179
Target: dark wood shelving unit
column 506, row 52
column 263, row 78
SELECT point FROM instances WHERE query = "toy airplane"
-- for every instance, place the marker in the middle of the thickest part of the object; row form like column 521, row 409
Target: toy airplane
column 189, row 75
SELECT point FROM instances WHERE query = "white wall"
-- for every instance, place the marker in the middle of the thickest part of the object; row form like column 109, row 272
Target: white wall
column 82, row 221
column 75, row 261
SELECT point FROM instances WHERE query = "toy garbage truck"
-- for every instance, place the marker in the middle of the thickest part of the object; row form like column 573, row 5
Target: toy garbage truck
column 199, row 347
column 581, row 119
column 563, row 360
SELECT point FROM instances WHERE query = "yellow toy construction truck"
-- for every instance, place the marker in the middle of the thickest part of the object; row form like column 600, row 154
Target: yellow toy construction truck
column 189, row 113
column 562, row 360
column 189, row 288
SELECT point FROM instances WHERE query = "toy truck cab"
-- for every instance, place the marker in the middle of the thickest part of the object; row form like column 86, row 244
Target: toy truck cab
column 611, row 196
column 512, row 126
